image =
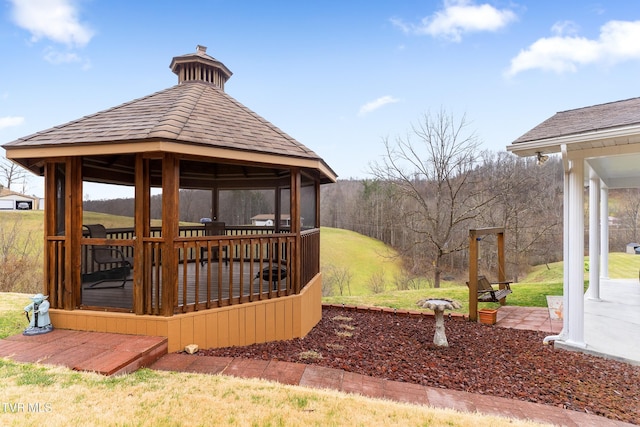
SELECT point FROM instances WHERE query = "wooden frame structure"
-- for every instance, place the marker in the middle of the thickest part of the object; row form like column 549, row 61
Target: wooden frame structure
column 474, row 237
column 190, row 136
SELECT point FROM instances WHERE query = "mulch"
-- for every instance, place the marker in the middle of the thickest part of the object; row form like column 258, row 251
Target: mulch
column 483, row 359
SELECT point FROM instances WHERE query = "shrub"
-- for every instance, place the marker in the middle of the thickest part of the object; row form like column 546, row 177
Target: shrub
column 405, row 281
column 20, row 258
column 336, row 277
column 377, row 282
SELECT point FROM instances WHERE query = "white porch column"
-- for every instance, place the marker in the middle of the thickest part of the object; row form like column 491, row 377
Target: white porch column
column 604, row 231
column 574, row 280
column 594, row 236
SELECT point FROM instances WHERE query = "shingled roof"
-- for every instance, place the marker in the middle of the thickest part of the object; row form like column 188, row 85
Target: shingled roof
column 193, row 112
column 196, row 112
column 587, row 119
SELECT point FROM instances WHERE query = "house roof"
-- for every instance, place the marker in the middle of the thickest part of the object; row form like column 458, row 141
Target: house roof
column 587, row 119
column 196, row 112
column 261, row 217
column 606, row 136
column 5, row 193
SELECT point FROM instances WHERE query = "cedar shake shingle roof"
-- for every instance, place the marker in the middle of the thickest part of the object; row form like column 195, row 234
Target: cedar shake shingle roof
column 193, row 112
column 587, row 119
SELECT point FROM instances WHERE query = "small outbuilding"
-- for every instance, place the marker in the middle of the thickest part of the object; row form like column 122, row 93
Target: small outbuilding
column 633, row 248
column 232, row 285
column 10, row 200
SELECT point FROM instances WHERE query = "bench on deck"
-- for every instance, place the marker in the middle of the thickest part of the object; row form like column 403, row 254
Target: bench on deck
column 486, row 292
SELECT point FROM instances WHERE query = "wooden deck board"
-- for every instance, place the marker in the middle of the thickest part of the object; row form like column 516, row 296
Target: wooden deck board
column 122, row 298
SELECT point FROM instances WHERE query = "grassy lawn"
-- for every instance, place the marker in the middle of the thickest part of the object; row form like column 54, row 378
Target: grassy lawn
column 12, row 319
column 155, row 398
column 361, row 255
column 28, row 224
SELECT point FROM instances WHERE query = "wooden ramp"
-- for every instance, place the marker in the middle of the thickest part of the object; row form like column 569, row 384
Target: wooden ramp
column 101, row 352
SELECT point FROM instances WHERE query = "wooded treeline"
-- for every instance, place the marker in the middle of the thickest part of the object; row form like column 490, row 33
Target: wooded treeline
column 510, row 192
column 507, row 191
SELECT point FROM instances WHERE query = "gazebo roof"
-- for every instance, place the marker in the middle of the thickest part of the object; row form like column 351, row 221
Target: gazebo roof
column 196, row 113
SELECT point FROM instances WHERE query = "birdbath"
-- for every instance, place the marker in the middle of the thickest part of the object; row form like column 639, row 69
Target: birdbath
column 439, row 305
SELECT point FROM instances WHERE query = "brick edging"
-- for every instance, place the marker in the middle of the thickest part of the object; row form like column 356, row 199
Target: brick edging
column 394, row 311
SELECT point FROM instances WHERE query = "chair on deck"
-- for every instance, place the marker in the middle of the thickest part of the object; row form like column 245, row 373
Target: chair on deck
column 486, row 292
column 119, row 265
column 213, row 228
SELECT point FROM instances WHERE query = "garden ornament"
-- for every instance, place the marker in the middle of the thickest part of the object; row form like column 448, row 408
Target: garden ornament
column 439, row 305
column 39, row 323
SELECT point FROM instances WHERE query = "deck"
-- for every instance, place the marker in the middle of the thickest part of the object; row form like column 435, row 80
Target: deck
column 214, row 283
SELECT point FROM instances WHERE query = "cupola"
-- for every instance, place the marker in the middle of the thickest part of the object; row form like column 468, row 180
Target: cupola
column 199, row 66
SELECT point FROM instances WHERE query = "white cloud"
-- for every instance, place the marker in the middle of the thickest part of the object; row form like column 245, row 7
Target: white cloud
column 10, row 121
column 459, row 17
column 56, row 57
column 618, row 41
column 562, row 28
column 376, row 104
column 56, row 20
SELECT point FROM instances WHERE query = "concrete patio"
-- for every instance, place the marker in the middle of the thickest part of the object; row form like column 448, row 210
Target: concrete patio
column 612, row 323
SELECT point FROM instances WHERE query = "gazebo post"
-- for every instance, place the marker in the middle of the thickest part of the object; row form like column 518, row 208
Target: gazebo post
column 317, row 190
column 295, row 226
column 215, row 203
column 277, row 212
column 50, row 229
column 170, row 215
column 74, row 232
column 141, row 230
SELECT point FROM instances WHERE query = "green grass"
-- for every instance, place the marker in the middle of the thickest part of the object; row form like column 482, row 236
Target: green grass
column 623, row 266
column 524, row 294
column 113, row 221
column 35, row 394
column 361, row 255
column 12, row 319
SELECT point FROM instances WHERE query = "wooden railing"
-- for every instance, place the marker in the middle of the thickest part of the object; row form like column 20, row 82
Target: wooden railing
column 55, row 271
column 247, row 264
column 185, row 231
column 310, row 255
column 233, row 270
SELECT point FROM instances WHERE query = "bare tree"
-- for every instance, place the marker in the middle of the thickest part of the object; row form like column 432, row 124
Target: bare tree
column 336, row 277
column 528, row 203
column 433, row 169
column 629, row 212
column 11, row 172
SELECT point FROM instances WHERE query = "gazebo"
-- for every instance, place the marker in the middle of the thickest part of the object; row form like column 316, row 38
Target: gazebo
column 242, row 286
column 600, row 149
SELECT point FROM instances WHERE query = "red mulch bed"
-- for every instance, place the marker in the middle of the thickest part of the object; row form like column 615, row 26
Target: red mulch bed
column 490, row 360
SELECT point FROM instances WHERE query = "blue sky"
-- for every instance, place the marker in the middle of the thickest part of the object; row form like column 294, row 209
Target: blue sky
column 339, row 76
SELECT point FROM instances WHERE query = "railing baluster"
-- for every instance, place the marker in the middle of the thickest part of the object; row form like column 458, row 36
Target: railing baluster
column 245, row 255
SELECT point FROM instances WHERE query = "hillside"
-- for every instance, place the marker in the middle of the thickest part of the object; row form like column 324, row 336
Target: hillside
column 362, row 256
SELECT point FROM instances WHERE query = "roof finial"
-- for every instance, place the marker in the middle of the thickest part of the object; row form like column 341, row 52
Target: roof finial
column 201, row 49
